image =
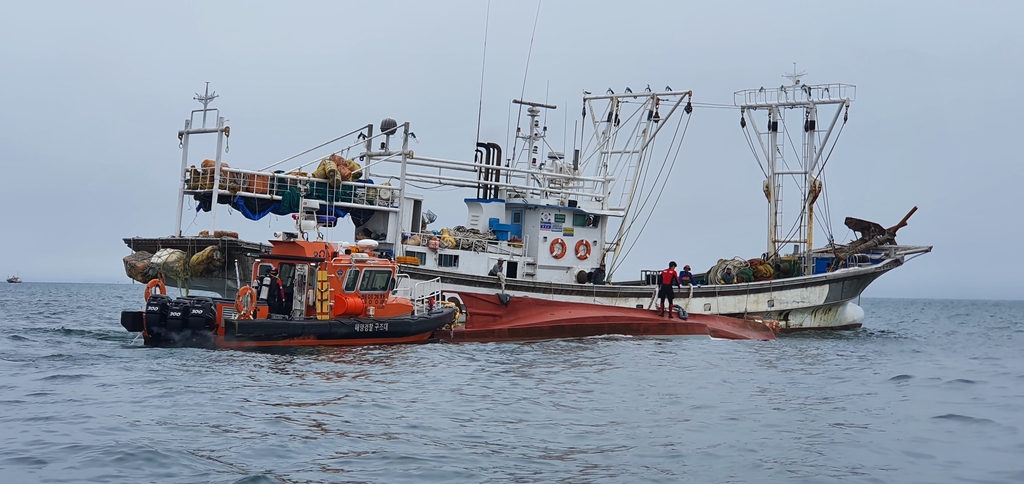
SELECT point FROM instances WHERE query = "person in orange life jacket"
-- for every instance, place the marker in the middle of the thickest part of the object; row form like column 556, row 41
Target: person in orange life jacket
column 668, row 279
column 275, row 296
column 686, row 278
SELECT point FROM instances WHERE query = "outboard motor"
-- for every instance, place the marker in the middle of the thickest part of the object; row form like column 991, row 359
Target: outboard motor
column 157, row 308
column 202, row 315
column 177, row 315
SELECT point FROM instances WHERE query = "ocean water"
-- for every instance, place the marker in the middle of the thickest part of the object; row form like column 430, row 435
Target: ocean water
column 929, row 391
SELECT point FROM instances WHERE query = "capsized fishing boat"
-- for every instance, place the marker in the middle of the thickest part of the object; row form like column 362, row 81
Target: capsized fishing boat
column 553, row 220
column 306, row 293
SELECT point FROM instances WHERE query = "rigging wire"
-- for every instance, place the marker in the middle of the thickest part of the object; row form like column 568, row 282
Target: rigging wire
column 483, row 65
column 526, row 72
column 663, row 185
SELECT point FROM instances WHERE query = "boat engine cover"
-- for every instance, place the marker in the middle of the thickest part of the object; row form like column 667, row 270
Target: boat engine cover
column 177, row 315
column 157, row 308
column 202, row 314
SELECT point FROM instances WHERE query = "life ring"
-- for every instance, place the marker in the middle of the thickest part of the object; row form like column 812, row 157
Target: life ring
column 585, row 252
column 245, row 303
column 155, row 283
column 433, row 244
column 558, row 248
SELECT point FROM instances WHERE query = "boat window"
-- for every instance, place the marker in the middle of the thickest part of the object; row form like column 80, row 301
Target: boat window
column 263, row 270
column 287, row 274
column 422, row 256
column 353, row 279
column 447, row 260
column 375, row 281
column 593, row 220
column 579, row 220
column 517, row 217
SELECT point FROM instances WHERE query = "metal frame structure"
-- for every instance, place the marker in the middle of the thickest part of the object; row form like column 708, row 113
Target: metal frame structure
column 808, row 163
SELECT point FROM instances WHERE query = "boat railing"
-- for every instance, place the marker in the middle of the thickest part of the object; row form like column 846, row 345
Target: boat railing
column 425, row 295
column 795, row 94
column 476, row 243
column 277, row 186
column 403, row 286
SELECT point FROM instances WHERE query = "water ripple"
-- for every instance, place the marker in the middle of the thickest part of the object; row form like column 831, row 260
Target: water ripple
column 898, row 400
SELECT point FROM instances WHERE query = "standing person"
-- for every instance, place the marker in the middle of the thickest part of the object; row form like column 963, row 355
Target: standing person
column 598, row 277
column 275, row 295
column 686, row 277
column 668, row 279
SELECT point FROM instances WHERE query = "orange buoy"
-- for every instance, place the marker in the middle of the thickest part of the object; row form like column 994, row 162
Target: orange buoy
column 155, row 283
column 245, row 303
column 558, row 248
column 583, row 249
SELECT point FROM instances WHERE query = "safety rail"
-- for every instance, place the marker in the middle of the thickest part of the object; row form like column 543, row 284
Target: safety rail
column 472, row 244
column 403, row 286
column 276, row 186
column 425, row 295
column 800, row 93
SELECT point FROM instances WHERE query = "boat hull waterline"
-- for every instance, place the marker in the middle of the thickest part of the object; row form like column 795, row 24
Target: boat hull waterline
column 490, row 319
column 262, row 333
column 819, row 302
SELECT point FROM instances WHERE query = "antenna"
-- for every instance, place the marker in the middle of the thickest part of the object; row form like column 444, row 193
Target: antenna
column 205, row 100
column 795, row 76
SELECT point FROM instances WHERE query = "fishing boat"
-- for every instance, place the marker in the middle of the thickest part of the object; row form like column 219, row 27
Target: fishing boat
column 553, row 220
column 307, row 293
column 371, row 192
column 14, row 280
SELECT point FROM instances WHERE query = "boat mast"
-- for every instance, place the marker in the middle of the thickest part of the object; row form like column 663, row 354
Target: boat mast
column 183, row 135
column 803, row 166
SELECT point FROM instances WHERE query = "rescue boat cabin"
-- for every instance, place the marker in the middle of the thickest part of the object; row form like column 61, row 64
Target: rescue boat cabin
column 325, row 280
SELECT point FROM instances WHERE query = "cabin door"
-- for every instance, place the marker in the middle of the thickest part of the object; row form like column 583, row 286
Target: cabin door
column 300, row 290
column 517, row 224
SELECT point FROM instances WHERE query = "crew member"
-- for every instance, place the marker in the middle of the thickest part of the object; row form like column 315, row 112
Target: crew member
column 598, row 276
column 275, row 296
column 668, row 279
column 685, row 277
column 498, row 268
column 728, row 277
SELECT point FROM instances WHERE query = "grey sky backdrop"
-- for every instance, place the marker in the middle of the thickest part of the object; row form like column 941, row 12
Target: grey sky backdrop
column 94, row 92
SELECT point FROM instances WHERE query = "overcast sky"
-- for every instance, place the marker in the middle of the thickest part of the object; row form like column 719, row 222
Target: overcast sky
column 93, row 94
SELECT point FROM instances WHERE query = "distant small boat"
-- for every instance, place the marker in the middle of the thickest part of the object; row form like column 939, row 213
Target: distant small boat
column 14, row 279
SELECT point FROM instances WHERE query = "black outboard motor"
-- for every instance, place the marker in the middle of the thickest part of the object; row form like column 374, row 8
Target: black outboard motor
column 202, row 315
column 157, row 307
column 177, row 315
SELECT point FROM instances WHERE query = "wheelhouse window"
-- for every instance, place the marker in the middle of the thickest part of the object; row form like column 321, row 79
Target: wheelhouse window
column 447, row 260
column 287, row 274
column 579, row 220
column 375, row 281
column 263, row 270
column 422, row 256
column 352, row 280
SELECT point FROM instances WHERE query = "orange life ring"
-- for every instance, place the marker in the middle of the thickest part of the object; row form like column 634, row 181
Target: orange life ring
column 158, row 284
column 585, row 245
column 245, row 303
column 558, row 248
column 433, row 244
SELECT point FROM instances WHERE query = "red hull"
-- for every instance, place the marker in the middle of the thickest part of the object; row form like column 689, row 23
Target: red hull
column 527, row 318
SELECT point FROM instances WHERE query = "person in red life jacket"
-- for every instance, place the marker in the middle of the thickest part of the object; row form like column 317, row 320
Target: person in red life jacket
column 275, row 295
column 668, row 279
column 686, row 278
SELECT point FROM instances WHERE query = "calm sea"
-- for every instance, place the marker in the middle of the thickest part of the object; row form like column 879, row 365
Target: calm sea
column 928, row 391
